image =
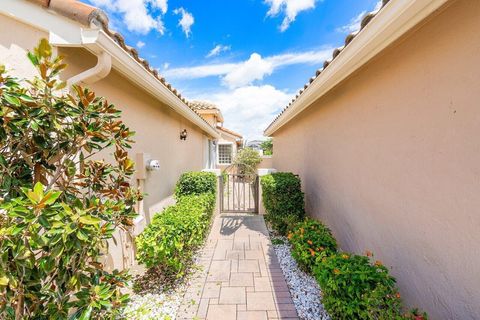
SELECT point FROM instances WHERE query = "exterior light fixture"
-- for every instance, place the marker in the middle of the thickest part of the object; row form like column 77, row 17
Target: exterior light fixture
column 183, row 134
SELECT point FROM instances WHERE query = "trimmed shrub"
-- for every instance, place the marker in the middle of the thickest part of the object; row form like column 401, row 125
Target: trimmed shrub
column 196, row 183
column 354, row 288
column 311, row 239
column 169, row 241
column 283, row 199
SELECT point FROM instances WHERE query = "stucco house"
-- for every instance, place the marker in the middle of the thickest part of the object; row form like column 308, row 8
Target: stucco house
column 229, row 142
column 385, row 140
column 167, row 128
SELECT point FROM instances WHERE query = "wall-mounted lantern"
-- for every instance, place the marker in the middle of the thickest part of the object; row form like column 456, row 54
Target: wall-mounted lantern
column 183, row 134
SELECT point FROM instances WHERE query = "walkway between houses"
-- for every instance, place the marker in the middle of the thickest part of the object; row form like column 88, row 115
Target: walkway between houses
column 241, row 278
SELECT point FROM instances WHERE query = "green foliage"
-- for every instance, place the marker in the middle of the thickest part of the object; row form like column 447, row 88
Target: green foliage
column 196, row 183
column 267, row 147
column 169, row 241
column 247, row 161
column 283, row 200
column 60, row 206
column 311, row 239
column 354, row 288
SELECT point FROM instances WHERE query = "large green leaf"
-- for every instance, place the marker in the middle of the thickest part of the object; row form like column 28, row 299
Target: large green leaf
column 89, row 220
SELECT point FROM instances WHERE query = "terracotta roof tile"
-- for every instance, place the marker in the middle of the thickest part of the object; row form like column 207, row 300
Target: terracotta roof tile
column 202, row 105
column 89, row 15
column 365, row 21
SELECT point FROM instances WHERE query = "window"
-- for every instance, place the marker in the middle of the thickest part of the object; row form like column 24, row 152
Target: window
column 224, row 153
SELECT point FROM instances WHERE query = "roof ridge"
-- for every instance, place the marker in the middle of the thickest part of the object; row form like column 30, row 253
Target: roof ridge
column 336, row 52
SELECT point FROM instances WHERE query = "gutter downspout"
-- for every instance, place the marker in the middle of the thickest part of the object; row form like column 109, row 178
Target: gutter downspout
column 98, row 72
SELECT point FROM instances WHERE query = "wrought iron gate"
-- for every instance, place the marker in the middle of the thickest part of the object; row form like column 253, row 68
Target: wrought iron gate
column 239, row 193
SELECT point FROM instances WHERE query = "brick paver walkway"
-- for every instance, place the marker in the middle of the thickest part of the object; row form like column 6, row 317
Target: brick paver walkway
column 240, row 278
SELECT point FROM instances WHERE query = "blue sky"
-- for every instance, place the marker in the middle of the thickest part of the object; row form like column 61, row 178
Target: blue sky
column 250, row 57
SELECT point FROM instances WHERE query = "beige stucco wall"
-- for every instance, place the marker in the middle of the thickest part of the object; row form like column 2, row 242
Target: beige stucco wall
column 267, row 162
column 157, row 128
column 390, row 161
column 210, row 118
column 15, row 38
column 156, row 125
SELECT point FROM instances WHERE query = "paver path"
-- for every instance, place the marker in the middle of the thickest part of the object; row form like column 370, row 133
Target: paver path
column 240, row 278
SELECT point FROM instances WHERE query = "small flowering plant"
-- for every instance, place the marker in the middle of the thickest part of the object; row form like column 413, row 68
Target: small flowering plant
column 310, row 239
column 354, row 288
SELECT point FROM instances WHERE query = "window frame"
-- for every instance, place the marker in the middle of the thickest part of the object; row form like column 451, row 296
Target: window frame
column 218, row 153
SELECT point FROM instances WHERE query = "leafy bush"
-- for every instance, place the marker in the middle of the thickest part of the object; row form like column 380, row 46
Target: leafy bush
column 196, row 183
column 169, row 241
column 311, row 239
column 60, row 206
column 283, row 200
column 247, row 161
column 353, row 288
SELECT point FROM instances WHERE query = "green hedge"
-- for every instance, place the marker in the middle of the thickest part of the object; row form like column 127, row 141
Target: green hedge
column 283, row 200
column 169, row 242
column 196, row 183
column 311, row 239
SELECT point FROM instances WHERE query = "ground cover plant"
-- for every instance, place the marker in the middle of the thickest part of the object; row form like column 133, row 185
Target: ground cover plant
column 353, row 287
column 283, row 200
column 311, row 239
column 59, row 206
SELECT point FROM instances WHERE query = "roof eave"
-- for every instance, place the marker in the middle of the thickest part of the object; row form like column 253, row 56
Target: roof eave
column 64, row 32
column 133, row 70
column 394, row 20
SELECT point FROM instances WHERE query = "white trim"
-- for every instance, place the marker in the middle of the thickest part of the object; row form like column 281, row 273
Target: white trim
column 134, row 71
column 60, row 28
column 233, row 136
column 218, row 153
column 64, row 32
column 394, row 20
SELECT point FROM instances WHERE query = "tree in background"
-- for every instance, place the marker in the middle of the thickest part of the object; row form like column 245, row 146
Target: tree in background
column 267, row 147
column 59, row 205
column 246, row 161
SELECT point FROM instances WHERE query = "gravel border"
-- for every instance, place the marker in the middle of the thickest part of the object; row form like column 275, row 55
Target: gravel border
column 151, row 306
column 157, row 302
column 304, row 289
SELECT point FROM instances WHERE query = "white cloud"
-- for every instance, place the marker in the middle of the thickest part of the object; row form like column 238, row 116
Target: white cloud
column 200, row 71
column 140, row 44
column 290, row 8
column 255, row 68
column 249, row 110
column 378, row 5
column 243, row 73
column 354, row 24
column 186, row 21
column 166, row 65
column 217, row 50
column 137, row 15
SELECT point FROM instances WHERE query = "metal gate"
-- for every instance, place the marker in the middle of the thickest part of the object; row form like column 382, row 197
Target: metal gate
column 239, row 193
